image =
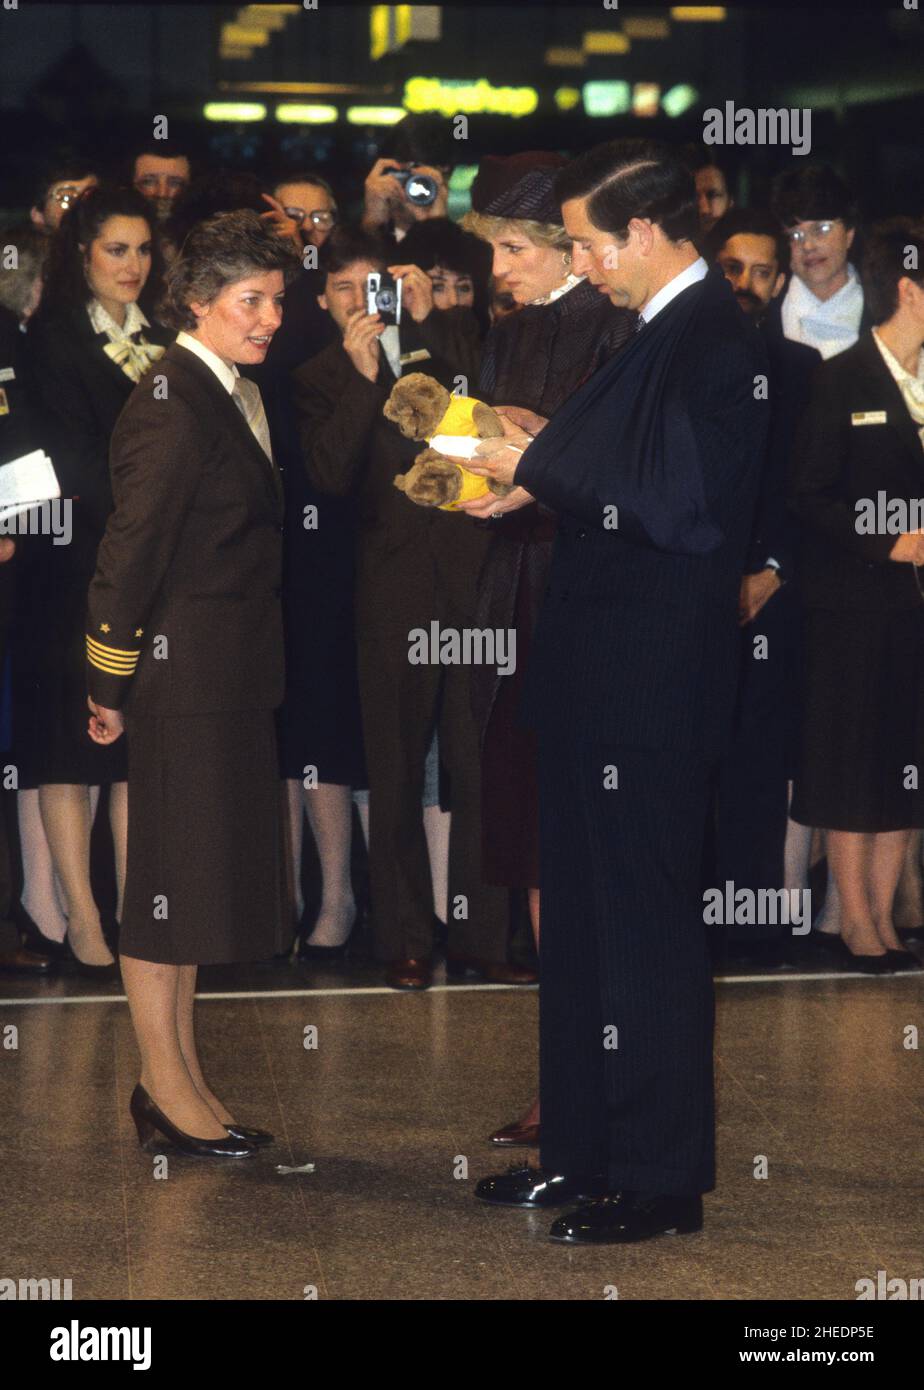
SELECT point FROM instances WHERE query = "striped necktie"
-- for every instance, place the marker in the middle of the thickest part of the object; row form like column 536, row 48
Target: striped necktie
column 247, row 398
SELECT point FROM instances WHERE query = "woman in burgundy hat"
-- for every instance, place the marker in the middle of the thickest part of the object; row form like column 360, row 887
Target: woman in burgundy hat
column 534, row 359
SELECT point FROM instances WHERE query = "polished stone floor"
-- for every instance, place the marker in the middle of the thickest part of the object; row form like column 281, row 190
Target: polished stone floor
column 818, row 1086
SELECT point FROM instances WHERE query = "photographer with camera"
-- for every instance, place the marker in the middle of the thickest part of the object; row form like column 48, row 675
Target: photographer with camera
column 398, row 195
column 414, row 565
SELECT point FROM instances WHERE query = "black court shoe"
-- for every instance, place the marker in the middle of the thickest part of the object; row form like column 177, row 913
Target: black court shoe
column 259, row 1137
column 151, row 1121
column 621, row 1218
column 900, row 961
column 535, row 1188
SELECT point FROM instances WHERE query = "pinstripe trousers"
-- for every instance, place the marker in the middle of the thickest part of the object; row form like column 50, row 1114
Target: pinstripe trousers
column 626, row 1001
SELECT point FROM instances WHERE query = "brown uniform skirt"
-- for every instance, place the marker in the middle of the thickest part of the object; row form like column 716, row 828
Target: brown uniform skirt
column 205, row 875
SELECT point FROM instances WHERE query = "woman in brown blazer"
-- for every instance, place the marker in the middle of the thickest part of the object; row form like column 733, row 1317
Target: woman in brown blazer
column 184, row 633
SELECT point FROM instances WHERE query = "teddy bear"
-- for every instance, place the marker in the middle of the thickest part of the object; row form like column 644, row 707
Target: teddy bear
column 424, row 410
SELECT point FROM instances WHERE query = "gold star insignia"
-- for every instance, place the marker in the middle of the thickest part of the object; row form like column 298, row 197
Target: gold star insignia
column 139, row 631
column 104, row 627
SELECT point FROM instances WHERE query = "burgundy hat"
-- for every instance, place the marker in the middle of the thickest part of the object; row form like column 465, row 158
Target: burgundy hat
column 518, row 186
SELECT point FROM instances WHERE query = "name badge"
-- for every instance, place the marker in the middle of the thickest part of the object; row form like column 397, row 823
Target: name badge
column 7, row 374
column 868, row 417
column 418, row 355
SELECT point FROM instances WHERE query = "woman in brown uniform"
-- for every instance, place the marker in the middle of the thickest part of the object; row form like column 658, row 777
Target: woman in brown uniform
column 534, row 359
column 184, row 631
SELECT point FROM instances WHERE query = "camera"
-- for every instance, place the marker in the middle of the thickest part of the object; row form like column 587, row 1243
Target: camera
column 383, row 296
column 420, row 189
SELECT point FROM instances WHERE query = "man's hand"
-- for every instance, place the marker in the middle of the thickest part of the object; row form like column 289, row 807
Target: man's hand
column 526, row 419
column 361, row 343
column 909, row 549
column 490, row 505
column 498, row 458
column 384, row 200
column 282, row 224
column 7, row 549
column 105, row 725
column 756, row 589
column 416, row 290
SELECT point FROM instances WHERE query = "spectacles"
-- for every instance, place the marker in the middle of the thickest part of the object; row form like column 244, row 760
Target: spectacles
column 817, row 231
column 322, row 218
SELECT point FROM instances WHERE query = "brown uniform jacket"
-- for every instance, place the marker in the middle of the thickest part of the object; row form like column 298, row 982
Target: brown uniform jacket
column 351, row 450
column 184, row 614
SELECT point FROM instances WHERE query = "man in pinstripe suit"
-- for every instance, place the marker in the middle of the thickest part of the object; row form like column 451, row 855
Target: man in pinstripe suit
column 653, row 467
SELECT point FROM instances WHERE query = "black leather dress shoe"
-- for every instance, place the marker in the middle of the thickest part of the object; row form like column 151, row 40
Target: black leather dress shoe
column 535, row 1188
column 260, row 1137
column 620, row 1218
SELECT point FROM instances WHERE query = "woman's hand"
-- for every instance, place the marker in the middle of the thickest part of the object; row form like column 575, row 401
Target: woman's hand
column 909, row 549
column 491, row 505
column 361, row 343
column 105, row 725
column 280, row 221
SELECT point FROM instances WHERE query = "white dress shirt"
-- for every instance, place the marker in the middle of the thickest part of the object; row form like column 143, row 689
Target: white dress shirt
column 697, row 271
column 226, row 375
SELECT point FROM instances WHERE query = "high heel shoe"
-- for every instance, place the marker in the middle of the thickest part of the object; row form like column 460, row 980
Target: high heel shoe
column 904, row 960
column 151, row 1121
column 864, row 965
column 304, row 951
column 100, row 973
column 260, row 1137
column 35, row 940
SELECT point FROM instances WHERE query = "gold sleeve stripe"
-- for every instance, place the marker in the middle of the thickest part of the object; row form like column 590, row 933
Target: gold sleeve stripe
column 110, row 670
column 117, row 666
column 112, row 651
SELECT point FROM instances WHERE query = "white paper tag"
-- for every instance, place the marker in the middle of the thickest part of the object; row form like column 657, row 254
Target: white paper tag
column 456, row 446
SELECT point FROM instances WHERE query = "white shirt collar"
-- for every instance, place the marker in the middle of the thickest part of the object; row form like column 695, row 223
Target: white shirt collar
column 697, row 271
column 570, row 283
column 226, row 375
column 103, row 322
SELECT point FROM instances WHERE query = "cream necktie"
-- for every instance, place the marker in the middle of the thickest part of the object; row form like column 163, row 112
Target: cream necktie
column 247, row 398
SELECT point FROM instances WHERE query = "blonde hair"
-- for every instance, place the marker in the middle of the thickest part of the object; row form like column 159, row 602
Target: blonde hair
column 539, row 233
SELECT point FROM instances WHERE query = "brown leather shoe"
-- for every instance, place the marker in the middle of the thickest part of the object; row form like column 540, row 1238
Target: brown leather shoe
column 495, row 972
column 516, row 1136
column 23, row 962
column 409, row 974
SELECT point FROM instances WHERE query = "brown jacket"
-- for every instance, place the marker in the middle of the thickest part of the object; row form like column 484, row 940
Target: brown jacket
column 184, row 613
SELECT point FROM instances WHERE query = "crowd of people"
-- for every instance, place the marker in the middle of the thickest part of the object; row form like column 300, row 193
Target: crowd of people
column 434, row 762
column 720, row 388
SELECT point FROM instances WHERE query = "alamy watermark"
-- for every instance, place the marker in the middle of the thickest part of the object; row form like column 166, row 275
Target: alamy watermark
column 466, row 646
column 753, row 907
column 741, row 125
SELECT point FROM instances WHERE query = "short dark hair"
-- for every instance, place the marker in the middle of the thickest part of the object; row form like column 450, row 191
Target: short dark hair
column 213, row 193
column 218, row 252
column 811, row 194
column 66, row 284
column 346, row 245
column 883, row 264
column 64, row 165
column 748, row 222
column 698, row 157
column 438, row 241
column 304, row 176
column 161, row 149
column 633, row 178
